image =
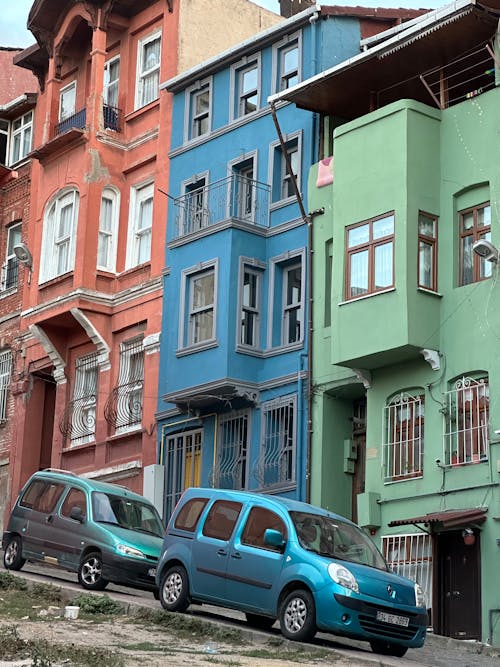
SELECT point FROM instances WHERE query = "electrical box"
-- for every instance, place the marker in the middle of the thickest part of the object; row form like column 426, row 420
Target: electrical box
column 154, row 485
column 350, row 450
column 369, row 515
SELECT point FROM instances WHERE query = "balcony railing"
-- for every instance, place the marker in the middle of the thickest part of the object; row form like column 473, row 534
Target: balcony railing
column 235, row 198
column 9, row 275
column 112, row 117
column 123, row 409
column 78, row 421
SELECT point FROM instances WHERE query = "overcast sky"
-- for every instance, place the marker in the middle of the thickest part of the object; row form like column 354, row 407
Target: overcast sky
column 14, row 14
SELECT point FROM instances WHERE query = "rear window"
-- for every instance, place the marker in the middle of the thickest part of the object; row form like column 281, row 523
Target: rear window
column 189, row 515
column 41, row 495
column 221, row 519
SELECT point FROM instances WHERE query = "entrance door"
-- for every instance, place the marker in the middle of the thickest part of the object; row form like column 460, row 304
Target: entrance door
column 459, row 587
column 359, row 441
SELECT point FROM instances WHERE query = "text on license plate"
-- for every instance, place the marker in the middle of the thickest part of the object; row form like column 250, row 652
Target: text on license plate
column 393, row 618
column 152, row 572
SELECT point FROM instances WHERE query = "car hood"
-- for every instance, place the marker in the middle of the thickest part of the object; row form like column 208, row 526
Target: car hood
column 383, row 585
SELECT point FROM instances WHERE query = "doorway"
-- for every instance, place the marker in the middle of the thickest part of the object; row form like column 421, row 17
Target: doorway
column 359, row 444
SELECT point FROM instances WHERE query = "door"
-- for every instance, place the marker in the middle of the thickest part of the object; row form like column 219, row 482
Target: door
column 459, row 586
column 359, row 442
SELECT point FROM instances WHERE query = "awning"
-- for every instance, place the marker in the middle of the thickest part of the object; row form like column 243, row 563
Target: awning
column 446, row 518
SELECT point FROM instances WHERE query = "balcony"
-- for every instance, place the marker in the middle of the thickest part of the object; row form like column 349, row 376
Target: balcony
column 77, row 424
column 76, row 121
column 232, row 199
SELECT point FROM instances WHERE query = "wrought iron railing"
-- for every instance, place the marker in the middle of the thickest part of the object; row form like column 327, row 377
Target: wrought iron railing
column 78, row 421
column 233, row 198
column 9, row 275
column 112, row 118
column 123, row 409
column 77, row 120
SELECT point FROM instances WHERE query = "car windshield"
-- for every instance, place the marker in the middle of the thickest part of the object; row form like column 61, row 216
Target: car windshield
column 337, row 539
column 126, row 512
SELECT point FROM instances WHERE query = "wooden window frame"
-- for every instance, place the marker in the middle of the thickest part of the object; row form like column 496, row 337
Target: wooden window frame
column 477, row 233
column 431, row 241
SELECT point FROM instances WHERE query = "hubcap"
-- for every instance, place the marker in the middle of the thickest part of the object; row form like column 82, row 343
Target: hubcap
column 295, row 615
column 11, row 553
column 172, row 588
column 91, row 571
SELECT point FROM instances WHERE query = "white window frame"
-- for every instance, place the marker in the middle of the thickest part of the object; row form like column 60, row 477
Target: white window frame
column 5, row 131
column 233, row 449
column 410, row 556
column 278, row 265
column 404, row 446
column 25, row 129
column 191, row 119
column 84, row 400
column 255, row 268
column 10, row 258
column 111, row 85
column 188, row 314
column 62, row 94
column 237, row 95
column 277, row 165
column 467, row 421
column 281, row 47
column 54, row 238
column 278, row 450
column 108, row 236
column 145, row 73
column 5, row 373
column 240, row 187
column 195, row 213
column 132, row 375
column 139, row 227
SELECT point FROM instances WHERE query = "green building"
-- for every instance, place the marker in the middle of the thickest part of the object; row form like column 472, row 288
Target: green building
column 405, row 385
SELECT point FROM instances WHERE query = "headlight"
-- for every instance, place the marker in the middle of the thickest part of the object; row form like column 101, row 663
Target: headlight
column 341, row 575
column 129, row 551
column 420, row 600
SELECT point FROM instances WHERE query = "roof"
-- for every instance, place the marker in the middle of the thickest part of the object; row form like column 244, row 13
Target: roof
column 349, row 89
column 446, row 518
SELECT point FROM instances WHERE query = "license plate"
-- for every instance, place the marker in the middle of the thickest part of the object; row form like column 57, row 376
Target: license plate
column 403, row 621
column 152, row 572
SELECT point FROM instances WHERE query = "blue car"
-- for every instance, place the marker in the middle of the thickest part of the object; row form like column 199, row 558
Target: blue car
column 275, row 558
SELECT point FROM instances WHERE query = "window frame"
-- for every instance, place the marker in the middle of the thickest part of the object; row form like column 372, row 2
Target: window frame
column 432, row 243
column 370, row 247
column 256, row 268
column 84, row 403
column 65, row 89
column 187, row 315
column 128, row 375
column 139, row 194
column 49, row 266
column 473, row 436
column 11, row 260
column 284, row 452
column 25, row 127
column 238, row 95
column 479, row 264
column 276, row 318
column 232, row 456
column 195, row 214
column 111, row 84
column 143, row 74
column 278, row 174
column 192, row 119
column 5, row 375
column 182, row 455
column 113, row 195
column 289, row 42
column 404, row 439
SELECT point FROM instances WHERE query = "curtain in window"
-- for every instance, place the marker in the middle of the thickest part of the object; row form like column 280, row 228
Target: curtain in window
column 150, row 71
column 144, row 230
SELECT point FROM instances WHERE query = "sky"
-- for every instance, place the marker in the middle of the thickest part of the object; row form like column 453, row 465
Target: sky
column 14, row 14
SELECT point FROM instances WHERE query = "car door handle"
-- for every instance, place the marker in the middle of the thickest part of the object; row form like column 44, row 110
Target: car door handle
column 222, row 552
column 235, row 555
column 50, row 518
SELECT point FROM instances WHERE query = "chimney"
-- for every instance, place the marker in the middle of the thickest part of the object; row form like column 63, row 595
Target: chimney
column 291, row 7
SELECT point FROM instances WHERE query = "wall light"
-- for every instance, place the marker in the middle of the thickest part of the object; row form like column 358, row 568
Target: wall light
column 486, row 250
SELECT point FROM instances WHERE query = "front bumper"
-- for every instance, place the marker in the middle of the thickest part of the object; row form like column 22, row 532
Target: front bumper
column 130, row 572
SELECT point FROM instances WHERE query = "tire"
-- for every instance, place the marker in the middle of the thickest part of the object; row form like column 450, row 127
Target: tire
column 90, row 572
column 260, row 622
column 387, row 648
column 13, row 554
column 174, row 589
column 298, row 616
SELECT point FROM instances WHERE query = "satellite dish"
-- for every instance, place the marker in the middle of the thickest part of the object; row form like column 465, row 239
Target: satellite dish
column 23, row 254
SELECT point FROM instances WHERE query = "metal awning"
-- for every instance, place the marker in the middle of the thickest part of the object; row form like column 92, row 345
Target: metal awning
column 446, row 518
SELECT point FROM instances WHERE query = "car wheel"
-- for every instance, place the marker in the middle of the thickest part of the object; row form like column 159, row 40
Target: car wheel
column 260, row 622
column 90, row 572
column 387, row 648
column 174, row 589
column 298, row 616
column 13, row 554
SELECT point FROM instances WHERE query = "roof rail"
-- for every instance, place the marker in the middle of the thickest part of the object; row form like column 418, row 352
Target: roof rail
column 59, row 470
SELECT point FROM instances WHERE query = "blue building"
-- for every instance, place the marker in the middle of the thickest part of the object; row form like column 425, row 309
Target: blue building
column 233, row 392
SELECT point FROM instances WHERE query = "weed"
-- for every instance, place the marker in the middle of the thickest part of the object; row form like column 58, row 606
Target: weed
column 9, row 582
column 95, row 605
column 47, row 592
column 293, row 655
column 11, row 644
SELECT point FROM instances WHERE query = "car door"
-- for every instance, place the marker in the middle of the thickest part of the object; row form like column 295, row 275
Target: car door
column 39, row 500
column 254, row 568
column 211, row 548
column 68, row 535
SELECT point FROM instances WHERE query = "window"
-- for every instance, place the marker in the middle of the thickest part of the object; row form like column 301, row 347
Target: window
column 467, row 421
column 411, row 556
column 108, row 219
column 42, row 496
column 196, row 214
column 59, row 236
column 250, row 297
column 292, row 304
column 221, row 519
column 22, row 129
column 474, row 224
column 111, row 81
column 182, row 465
column 246, row 88
column 287, row 297
column 199, row 110
column 244, row 191
column 287, row 63
column 140, row 225
column 328, row 281
column 10, row 269
column 67, row 101
column 123, row 408
column 201, row 307
column 5, row 370
column 83, row 406
column 148, row 70
column 189, row 515
column 4, row 141
column 276, row 463
column 404, row 438
column 259, row 520
column 230, row 471
column 370, row 256
column 75, row 498
column 280, row 177
column 427, row 251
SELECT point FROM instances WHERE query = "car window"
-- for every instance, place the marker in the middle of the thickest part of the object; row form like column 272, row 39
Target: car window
column 259, row 520
column 189, row 515
column 221, row 519
column 42, row 495
column 75, row 498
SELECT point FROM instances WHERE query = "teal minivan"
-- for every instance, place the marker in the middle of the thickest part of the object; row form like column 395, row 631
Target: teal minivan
column 279, row 559
column 102, row 531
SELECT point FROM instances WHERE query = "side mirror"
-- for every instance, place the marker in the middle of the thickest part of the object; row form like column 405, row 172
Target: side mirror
column 274, row 538
column 77, row 514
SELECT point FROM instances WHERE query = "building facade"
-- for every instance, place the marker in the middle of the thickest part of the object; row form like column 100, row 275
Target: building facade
column 405, row 370
column 233, row 399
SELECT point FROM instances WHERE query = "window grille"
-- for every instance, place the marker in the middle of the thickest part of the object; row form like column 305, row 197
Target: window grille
column 182, row 465
column 411, row 557
column 276, row 463
column 5, row 371
column 404, row 438
column 124, row 406
column 467, row 417
column 81, row 411
column 230, row 471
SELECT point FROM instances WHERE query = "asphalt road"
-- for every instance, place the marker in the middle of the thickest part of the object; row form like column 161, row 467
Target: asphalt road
column 437, row 652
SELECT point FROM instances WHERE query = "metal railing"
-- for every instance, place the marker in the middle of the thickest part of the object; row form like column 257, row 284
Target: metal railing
column 77, row 120
column 78, row 421
column 233, row 198
column 112, row 118
column 123, row 409
column 9, row 275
